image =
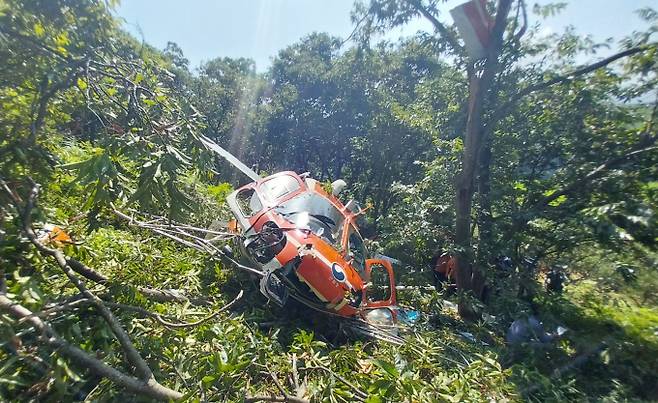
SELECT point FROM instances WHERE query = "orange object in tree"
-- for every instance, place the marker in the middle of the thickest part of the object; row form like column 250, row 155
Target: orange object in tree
column 54, row 235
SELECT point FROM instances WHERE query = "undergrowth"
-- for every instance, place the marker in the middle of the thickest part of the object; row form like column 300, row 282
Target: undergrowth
column 257, row 349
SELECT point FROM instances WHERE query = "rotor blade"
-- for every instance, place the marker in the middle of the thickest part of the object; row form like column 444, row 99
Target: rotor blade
column 230, row 158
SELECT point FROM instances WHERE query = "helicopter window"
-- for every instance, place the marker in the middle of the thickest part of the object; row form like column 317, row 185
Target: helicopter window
column 280, row 186
column 356, row 250
column 314, row 212
column 320, row 225
column 249, row 202
column 379, row 288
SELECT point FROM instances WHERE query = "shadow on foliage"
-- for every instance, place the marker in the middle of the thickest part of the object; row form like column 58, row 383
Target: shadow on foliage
column 598, row 358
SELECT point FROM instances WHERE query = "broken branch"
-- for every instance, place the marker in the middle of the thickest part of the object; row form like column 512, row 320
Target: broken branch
column 187, row 239
column 88, row 273
column 131, row 353
column 148, row 387
column 119, row 332
column 358, row 393
column 164, row 322
column 293, row 399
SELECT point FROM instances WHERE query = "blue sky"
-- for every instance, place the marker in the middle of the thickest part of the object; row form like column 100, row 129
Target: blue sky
column 258, row 29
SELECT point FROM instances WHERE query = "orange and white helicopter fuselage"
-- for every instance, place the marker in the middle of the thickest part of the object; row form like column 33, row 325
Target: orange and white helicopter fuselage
column 292, row 228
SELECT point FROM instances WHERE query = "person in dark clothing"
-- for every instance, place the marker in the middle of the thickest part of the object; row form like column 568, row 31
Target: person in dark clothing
column 528, row 330
column 555, row 279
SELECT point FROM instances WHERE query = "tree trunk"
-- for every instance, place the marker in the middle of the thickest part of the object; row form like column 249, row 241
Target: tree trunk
column 484, row 214
column 484, row 223
column 469, row 277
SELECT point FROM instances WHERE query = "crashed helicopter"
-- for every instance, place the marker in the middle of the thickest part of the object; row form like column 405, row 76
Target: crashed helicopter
column 305, row 246
column 308, row 245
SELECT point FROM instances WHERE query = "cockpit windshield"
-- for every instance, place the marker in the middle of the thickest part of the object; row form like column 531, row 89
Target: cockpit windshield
column 316, row 213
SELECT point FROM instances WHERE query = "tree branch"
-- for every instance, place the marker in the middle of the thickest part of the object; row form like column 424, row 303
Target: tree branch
column 148, row 387
column 88, row 273
column 561, row 79
column 188, row 240
column 594, row 174
column 131, row 352
column 133, row 356
column 80, row 300
column 438, row 25
column 358, row 393
column 293, row 399
column 159, row 295
column 34, row 42
column 164, row 322
column 154, row 294
column 521, row 7
column 37, row 122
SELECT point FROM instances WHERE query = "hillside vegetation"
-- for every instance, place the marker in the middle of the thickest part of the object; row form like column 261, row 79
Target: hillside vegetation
column 526, row 154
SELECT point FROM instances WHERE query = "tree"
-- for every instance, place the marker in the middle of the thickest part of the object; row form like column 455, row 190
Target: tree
column 483, row 112
column 92, row 82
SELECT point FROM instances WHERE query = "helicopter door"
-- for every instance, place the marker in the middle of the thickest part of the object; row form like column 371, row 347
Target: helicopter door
column 380, row 280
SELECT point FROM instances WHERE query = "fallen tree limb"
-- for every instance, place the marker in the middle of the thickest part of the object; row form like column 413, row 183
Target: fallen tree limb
column 292, row 399
column 184, row 235
column 78, row 302
column 86, row 272
column 277, row 383
column 154, row 294
column 143, row 370
column 164, row 322
column 131, row 353
column 158, row 295
column 69, row 304
column 148, row 387
column 358, row 393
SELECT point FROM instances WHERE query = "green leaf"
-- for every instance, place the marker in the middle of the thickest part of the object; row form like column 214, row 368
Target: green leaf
column 39, row 31
column 82, row 84
column 208, row 379
column 62, row 39
column 520, row 186
column 388, row 367
column 558, row 200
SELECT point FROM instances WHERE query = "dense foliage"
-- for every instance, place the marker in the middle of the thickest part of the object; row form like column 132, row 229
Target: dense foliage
column 567, row 174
